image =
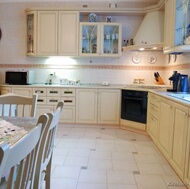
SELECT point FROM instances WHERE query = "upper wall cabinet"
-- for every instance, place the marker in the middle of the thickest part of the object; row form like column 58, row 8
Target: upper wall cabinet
column 177, row 26
column 53, row 33
column 100, row 39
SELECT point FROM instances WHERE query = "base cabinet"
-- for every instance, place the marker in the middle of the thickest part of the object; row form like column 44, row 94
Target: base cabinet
column 97, row 106
column 179, row 138
column 165, row 128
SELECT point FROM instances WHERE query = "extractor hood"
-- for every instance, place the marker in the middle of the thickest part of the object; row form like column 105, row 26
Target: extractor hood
column 150, row 35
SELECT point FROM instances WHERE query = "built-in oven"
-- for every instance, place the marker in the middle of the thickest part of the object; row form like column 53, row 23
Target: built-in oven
column 134, row 105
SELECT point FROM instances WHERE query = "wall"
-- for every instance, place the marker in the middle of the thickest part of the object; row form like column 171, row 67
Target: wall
column 88, row 70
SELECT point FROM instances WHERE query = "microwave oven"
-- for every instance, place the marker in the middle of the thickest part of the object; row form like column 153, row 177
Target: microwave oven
column 19, row 77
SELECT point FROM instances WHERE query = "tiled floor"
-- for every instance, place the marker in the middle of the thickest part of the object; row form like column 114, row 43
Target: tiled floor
column 105, row 157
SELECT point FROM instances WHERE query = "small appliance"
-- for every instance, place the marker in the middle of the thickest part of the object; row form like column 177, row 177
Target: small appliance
column 174, row 79
column 183, row 84
column 19, row 77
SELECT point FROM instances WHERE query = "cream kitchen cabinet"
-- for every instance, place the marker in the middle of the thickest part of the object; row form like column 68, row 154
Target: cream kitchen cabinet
column 109, row 106
column 179, row 140
column 153, row 116
column 86, row 105
column 97, row 106
column 100, row 39
column 56, row 33
column 177, row 26
column 68, row 97
column 165, row 129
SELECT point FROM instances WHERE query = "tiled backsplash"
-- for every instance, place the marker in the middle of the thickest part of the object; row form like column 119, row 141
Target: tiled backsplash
column 88, row 70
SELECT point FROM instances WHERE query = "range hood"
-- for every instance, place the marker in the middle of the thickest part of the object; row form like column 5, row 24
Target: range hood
column 150, row 35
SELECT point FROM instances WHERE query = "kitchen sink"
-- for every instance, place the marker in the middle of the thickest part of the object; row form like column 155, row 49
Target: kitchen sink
column 181, row 96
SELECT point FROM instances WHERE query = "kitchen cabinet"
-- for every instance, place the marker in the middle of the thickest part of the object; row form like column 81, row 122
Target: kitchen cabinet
column 187, row 155
column 100, row 39
column 165, row 129
column 177, row 26
column 55, row 33
column 179, row 140
column 109, row 106
column 153, row 116
column 86, row 105
column 97, row 106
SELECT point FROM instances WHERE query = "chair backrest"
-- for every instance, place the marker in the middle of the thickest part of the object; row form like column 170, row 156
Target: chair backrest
column 21, row 161
column 16, row 105
column 4, row 152
column 43, row 166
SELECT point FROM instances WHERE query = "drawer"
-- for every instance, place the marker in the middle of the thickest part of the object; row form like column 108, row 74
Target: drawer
column 53, row 92
column 154, row 99
column 68, row 92
column 42, row 100
column 53, row 100
column 153, row 110
column 40, row 91
column 68, row 100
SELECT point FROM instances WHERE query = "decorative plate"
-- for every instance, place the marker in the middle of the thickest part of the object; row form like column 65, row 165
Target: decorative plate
column 152, row 59
column 92, row 17
column 136, row 58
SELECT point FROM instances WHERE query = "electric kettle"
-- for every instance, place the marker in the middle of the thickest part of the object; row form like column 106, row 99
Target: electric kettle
column 183, row 84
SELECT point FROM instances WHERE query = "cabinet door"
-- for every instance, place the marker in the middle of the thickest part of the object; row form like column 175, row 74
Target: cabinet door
column 111, row 39
column 179, row 138
column 47, row 33
column 31, row 32
column 68, row 33
column 89, row 39
column 22, row 91
column 42, row 109
column 109, row 106
column 169, row 25
column 86, row 105
column 165, row 129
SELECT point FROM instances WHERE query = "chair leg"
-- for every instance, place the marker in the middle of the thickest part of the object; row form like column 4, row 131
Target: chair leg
column 48, row 174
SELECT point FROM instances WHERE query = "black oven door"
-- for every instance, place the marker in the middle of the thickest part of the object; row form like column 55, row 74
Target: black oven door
column 134, row 108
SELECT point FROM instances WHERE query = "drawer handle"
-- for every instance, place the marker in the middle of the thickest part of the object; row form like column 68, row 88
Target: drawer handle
column 40, row 100
column 53, row 92
column 53, row 100
column 39, row 92
column 68, row 101
column 68, row 92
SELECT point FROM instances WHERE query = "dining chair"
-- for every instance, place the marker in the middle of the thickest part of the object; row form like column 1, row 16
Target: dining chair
column 4, row 151
column 21, row 160
column 18, row 105
column 44, row 160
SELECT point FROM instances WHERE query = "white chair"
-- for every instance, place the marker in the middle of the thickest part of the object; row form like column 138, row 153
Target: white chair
column 21, row 161
column 44, row 160
column 4, row 152
column 17, row 105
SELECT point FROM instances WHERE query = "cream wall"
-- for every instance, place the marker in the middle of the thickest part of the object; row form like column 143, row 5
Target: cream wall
column 88, row 70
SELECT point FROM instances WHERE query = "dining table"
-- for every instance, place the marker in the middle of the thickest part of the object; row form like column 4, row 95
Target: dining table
column 12, row 129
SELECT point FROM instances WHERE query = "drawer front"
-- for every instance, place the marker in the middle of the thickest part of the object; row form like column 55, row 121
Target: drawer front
column 153, row 126
column 154, row 99
column 153, row 110
column 53, row 100
column 53, row 92
column 68, row 101
column 68, row 92
column 42, row 100
column 40, row 91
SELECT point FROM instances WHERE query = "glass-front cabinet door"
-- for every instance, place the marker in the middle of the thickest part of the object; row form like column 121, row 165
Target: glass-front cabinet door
column 31, row 33
column 89, row 39
column 182, row 27
column 100, row 39
column 111, row 39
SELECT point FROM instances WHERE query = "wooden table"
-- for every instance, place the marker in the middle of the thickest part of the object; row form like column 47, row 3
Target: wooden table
column 13, row 129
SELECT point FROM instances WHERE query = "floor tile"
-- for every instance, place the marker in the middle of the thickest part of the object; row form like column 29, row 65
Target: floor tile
column 121, row 186
column 62, row 183
column 91, row 186
column 93, row 176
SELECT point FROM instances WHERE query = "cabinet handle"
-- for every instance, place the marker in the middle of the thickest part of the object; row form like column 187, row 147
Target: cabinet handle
column 53, row 92
column 68, row 101
column 53, row 100
column 39, row 92
column 68, row 92
column 40, row 100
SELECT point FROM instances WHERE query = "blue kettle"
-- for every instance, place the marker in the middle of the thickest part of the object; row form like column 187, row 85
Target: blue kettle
column 183, row 84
